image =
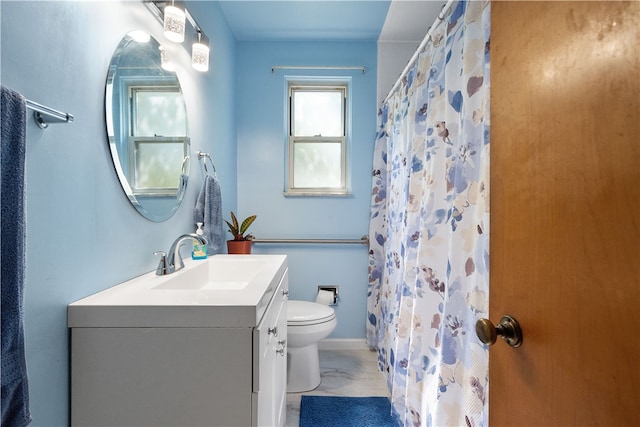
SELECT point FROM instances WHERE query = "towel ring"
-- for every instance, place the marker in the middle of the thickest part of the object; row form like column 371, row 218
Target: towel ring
column 204, row 157
column 185, row 165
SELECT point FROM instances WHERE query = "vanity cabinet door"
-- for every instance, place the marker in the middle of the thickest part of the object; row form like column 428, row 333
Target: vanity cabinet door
column 279, row 366
column 270, row 361
column 161, row 377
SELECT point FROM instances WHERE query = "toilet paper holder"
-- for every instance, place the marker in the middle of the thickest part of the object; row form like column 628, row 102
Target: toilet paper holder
column 330, row 288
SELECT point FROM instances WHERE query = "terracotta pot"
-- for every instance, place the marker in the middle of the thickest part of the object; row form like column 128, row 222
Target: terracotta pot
column 239, row 247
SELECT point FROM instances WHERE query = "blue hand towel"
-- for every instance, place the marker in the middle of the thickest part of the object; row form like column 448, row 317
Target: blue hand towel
column 208, row 210
column 15, row 390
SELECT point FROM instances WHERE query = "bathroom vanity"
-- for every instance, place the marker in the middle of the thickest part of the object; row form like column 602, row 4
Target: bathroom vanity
column 205, row 346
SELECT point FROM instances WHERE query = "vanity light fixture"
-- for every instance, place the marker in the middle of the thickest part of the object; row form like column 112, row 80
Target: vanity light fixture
column 165, row 60
column 174, row 22
column 200, row 53
column 175, row 17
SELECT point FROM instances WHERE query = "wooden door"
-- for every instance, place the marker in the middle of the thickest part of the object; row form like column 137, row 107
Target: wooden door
column 565, row 217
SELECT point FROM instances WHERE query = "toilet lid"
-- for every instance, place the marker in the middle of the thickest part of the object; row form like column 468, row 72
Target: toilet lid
column 304, row 311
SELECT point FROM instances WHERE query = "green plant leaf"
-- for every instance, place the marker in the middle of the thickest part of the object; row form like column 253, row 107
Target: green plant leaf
column 237, row 231
column 246, row 223
column 232, row 230
column 235, row 221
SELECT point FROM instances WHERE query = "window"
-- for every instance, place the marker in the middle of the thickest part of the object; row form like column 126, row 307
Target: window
column 317, row 139
column 158, row 145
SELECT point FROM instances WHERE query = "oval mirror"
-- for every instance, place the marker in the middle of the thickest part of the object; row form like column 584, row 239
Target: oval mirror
column 147, row 127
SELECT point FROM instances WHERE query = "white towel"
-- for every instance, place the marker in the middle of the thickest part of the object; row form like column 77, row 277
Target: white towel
column 208, row 210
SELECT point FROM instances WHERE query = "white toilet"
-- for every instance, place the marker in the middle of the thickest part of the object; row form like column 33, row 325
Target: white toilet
column 307, row 323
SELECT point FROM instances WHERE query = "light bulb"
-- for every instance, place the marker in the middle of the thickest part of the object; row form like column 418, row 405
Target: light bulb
column 200, row 54
column 174, row 23
column 165, row 61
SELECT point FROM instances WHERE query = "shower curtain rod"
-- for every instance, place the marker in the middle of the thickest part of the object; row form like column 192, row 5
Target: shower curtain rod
column 317, row 67
column 364, row 240
column 39, row 110
column 424, row 42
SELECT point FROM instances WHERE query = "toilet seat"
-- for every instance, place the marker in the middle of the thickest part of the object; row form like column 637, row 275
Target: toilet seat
column 304, row 313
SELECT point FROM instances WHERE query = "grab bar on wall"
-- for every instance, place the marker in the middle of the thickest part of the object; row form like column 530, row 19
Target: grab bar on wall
column 364, row 240
column 40, row 110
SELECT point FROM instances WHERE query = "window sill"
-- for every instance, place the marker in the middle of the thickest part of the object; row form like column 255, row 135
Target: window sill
column 317, row 194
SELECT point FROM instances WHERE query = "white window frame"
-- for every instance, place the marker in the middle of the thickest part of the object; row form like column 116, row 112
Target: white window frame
column 135, row 141
column 318, row 84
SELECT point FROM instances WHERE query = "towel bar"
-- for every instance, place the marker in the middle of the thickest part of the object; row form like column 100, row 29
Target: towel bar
column 40, row 110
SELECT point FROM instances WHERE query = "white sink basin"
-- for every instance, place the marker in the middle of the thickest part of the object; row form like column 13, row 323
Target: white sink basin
column 217, row 273
column 221, row 291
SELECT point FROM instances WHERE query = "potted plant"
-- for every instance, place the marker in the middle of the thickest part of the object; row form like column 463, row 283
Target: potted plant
column 241, row 242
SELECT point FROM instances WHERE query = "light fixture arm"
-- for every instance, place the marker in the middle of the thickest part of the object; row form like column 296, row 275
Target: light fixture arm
column 192, row 21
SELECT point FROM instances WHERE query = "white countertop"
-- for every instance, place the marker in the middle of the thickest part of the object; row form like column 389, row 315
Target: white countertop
column 221, row 291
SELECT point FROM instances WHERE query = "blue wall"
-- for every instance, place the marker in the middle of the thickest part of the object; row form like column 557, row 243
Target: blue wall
column 82, row 234
column 260, row 116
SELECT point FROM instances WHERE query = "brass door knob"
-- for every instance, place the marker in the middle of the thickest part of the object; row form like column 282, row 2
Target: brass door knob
column 508, row 329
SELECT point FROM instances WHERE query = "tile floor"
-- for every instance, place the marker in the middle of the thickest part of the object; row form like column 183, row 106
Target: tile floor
column 343, row 373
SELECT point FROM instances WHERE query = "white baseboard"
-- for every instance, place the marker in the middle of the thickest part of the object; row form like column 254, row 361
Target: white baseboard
column 343, row 344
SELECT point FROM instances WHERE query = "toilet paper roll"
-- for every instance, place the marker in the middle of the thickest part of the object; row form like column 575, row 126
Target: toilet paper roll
column 324, row 297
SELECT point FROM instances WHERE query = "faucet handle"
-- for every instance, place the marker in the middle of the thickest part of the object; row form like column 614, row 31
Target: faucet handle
column 162, row 265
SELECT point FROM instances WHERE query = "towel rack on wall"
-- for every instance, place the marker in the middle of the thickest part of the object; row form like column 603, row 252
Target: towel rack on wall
column 364, row 240
column 41, row 111
column 204, row 156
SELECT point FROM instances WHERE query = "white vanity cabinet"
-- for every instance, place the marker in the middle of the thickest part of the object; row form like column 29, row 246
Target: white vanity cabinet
column 270, row 363
column 183, row 367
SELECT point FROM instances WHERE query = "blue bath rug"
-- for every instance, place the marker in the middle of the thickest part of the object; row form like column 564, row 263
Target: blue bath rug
column 335, row 411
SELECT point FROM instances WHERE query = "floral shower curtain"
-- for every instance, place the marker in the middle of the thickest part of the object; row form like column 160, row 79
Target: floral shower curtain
column 429, row 228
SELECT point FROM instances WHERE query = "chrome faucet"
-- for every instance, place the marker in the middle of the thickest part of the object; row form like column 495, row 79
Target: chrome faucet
column 174, row 261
